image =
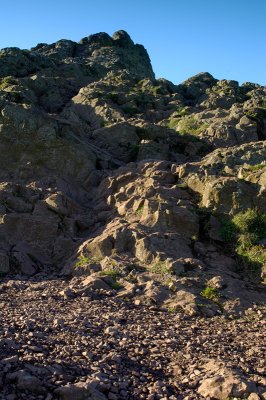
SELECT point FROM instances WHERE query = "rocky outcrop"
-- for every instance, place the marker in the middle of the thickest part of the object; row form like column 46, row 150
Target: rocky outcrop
column 132, row 228
column 106, row 170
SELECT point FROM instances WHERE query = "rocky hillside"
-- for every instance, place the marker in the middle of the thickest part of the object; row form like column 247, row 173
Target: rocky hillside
column 153, row 190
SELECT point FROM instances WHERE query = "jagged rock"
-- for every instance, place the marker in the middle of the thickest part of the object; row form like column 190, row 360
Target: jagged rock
column 222, row 387
column 128, row 185
column 26, row 264
column 118, row 139
column 225, row 383
column 100, row 159
column 94, row 282
column 186, row 301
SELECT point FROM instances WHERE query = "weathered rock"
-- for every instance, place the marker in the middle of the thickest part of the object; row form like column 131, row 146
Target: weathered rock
column 79, row 391
column 26, row 382
column 93, row 282
column 4, row 263
column 222, row 387
column 109, row 163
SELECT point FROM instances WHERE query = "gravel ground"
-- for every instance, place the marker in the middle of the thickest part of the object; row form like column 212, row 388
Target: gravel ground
column 55, row 336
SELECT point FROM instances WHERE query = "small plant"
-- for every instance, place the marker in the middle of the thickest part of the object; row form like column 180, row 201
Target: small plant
column 227, row 230
column 172, row 123
column 210, row 293
column 129, row 110
column 140, row 210
column 134, row 150
column 114, row 274
column 85, row 260
column 182, row 185
column 160, row 268
column 116, row 286
column 114, row 97
column 170, row 283
column 252, row 168
column 131, row 267
column 194, row 238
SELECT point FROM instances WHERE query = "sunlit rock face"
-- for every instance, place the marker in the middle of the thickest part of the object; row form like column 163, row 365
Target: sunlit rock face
column 105, row 167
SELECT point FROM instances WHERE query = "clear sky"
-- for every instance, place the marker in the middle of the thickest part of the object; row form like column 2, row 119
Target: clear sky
column 183, row 37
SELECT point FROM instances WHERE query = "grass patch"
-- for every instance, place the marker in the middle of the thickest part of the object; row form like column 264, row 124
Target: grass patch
column 173, row 121
column 192, row 125
column 252, row 224
column 245, row 231
column 116, row 286
column 85, row 260
column 114, row 274
column 253, row 168
column 160, row 268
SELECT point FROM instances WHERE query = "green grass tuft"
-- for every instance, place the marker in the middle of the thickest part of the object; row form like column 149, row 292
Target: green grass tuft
column 245, row 231
column 210, row 293
column 160, row 268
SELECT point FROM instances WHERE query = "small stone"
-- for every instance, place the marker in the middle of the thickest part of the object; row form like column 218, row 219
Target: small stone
column 111, row 330
column 59, row 323
column 253, row 396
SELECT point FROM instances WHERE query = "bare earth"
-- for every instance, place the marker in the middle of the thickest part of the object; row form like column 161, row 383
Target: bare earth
column 50, row 338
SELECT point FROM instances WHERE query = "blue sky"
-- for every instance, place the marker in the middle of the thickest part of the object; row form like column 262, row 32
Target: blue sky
column 183, row 37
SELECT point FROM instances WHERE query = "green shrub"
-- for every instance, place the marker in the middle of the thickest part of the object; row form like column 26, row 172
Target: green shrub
column 251, row 224
column 113, row 96
column 173, row 121
column 227, row 230
column 116, row 286
column 210, row 293
column 245, row 231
